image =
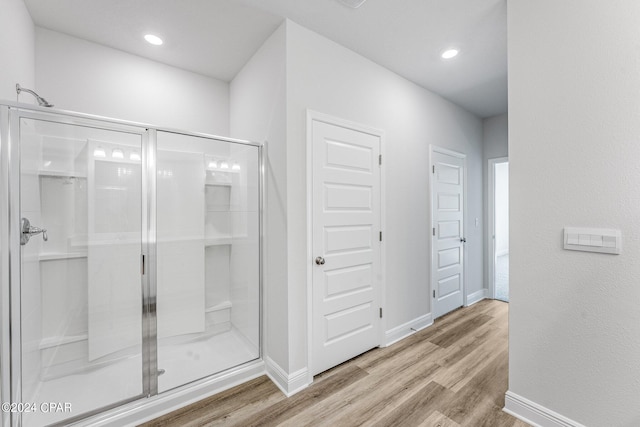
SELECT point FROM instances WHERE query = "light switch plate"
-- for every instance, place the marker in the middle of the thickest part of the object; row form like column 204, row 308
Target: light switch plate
column 603, row 240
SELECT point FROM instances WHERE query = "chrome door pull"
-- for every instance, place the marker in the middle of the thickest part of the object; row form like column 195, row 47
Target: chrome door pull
column 28, row 231
column 320, row 260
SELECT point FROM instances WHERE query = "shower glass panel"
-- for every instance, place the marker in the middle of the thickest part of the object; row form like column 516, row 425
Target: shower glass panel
column 80, row 289
column 208, row 257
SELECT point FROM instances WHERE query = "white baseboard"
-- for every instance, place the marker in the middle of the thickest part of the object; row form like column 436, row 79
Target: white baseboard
column 411, row 327
column 476, row 296
column 534, row 414
column 289, row 384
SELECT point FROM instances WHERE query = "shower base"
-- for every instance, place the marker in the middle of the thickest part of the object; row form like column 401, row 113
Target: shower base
column 183, row 361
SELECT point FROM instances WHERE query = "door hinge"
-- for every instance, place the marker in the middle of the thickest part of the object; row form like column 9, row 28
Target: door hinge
column 380, row 159
column 381, row 312
column 381, row 236
column 434, row 231
column 434, row 293
column 433, row 169
column 142, row 264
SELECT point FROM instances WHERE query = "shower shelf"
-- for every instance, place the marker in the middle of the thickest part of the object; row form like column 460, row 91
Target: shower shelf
column 63, row 174
column 51, row 256
column 217, row 241
column 112, row 187
column 224, row 305
column 57, row 341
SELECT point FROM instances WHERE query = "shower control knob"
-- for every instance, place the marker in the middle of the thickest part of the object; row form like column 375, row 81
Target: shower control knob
column 320, row 260
column 28, row 231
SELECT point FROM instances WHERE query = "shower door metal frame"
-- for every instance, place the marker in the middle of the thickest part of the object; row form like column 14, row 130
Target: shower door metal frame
column 149, row 265
column 5, row 305
column 10, row 260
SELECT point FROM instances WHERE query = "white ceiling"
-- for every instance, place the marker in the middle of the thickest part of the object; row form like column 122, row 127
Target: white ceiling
column 217, row 37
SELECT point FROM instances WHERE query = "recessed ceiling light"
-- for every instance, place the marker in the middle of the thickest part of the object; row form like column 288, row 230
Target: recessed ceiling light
column 155, row 40
column 450, row 53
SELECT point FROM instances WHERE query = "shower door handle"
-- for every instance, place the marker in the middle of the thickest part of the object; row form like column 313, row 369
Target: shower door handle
column 28, row 231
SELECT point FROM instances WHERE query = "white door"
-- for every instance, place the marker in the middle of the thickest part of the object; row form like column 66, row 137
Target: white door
column 346, row 244
column 448, row 231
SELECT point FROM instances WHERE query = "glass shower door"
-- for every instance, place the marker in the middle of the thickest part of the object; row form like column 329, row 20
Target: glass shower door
column 80, row 281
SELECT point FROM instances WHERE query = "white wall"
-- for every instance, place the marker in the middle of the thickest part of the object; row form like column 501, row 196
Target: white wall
column 258, row 113
column 328, row 78
column 574, row 149
column 17, row 50
column 495, row 138
column 323, row 76
column 78, row 75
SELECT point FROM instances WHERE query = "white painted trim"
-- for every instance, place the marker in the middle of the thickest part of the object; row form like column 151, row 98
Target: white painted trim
column 325, row 118
column 277, row 374
column 147, row 409
column 264, row 294
column 535, row 414
column 383, row 221
column 447, row 151
column 491, row 223
column 432, row 260
column 289, row 384
column 309, row 148
column 405, row 330
column 476, row 296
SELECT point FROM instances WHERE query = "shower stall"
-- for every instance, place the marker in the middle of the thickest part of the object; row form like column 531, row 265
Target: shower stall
column 131, row 263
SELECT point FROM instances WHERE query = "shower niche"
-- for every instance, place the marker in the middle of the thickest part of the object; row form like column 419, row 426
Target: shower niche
column 149, row 278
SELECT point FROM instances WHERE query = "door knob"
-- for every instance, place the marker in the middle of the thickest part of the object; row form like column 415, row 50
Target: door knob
column 320, row 260
column 463, row 239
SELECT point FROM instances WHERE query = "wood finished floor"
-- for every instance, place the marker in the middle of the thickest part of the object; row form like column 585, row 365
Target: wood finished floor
column 453, row 373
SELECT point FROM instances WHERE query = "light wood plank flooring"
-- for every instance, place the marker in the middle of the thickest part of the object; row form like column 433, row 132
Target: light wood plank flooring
column 453, row 373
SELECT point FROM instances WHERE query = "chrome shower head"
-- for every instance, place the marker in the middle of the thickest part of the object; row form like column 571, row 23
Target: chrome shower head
column 41, row 101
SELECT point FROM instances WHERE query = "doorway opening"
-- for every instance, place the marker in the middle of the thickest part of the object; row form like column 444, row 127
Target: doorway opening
column 499, row 227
